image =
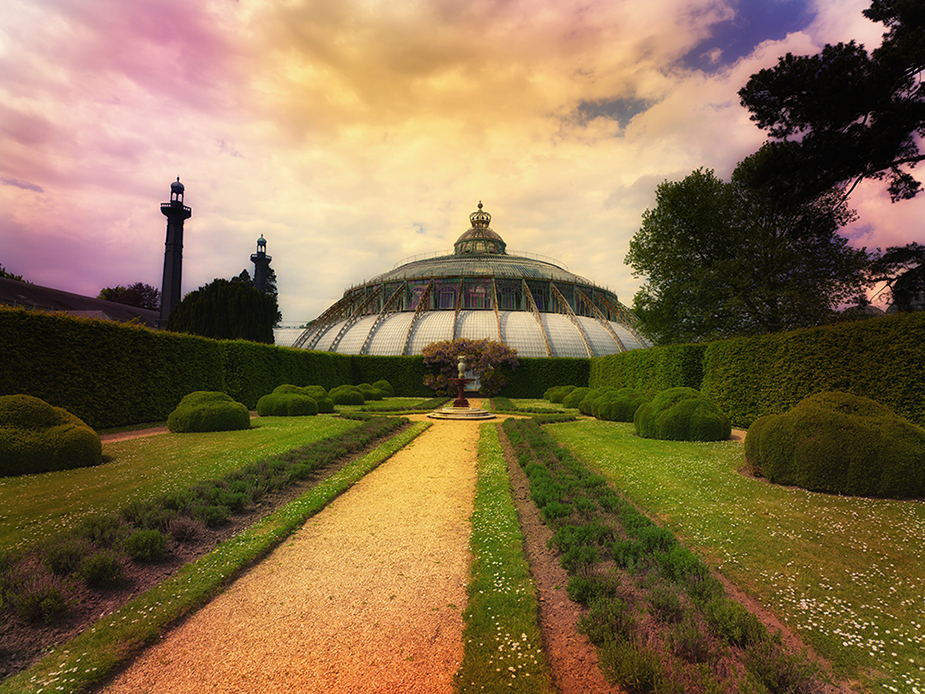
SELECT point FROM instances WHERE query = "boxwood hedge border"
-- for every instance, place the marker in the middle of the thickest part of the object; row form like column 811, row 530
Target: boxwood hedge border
column 111, row 374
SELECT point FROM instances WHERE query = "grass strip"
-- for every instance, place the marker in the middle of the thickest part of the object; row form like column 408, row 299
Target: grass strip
column 35, row 507
column 848, row 573
column 594, row 525
column 502, row 639
column 91, row 657
column 502, row 404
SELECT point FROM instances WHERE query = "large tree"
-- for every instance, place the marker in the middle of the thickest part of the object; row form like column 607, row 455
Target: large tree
column 844, row 115
column 139, row 294
column 722, row 259
column 226, row 310
column 902, row 270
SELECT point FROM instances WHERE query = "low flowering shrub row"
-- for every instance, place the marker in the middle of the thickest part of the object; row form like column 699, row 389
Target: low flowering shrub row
column 660, row 619
column 38, row 585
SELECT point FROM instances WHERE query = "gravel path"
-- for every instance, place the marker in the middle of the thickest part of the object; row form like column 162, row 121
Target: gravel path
column 367, row 596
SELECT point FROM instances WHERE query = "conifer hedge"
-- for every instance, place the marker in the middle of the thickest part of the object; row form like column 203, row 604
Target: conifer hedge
column 534, row 376
column 650, row 371
column 881, row 358
column 111, row 374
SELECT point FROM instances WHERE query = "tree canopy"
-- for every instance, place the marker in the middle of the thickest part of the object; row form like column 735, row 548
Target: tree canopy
column 10, row 275
column 226, row 310
column 844, row 115
column 139, row 294
column 722, row 259
column 902, row 270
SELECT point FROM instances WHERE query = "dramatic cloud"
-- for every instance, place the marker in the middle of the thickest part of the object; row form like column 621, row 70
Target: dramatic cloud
column 353, row 134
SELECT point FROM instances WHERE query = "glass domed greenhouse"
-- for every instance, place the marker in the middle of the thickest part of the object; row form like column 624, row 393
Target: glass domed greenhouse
column 530, row 303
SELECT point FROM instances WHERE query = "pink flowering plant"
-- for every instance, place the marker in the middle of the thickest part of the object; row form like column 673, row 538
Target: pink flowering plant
column 490, row 361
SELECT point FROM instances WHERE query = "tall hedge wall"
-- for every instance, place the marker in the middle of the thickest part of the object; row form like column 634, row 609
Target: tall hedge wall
column 108, row 374
column 650, row 371
column 111, row 374
column 405, row 374
column 880, row 358
column 534, row 376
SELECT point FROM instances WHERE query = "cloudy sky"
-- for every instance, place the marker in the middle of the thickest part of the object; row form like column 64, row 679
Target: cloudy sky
column 355, row 133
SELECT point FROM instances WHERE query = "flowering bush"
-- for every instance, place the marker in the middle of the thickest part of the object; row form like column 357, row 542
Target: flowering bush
column 487, row 359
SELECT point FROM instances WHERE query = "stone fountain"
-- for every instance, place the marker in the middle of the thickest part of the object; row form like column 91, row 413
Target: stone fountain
column 460, row 408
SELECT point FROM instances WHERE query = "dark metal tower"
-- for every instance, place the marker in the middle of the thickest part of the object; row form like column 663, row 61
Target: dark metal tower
column 176, row 213
column 261, row 262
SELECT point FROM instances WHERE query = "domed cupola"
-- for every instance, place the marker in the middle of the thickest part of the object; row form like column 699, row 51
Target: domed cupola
column 480, row 238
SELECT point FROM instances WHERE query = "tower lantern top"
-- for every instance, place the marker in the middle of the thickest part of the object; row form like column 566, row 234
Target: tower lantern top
column 261, row 244
column 176, row 191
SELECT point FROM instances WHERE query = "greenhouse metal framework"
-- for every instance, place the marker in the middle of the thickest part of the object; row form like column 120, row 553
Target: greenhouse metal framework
column 532, row 304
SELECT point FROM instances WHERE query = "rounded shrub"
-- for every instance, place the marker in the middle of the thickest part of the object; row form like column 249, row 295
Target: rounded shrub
column 315, row 392
column 575, row 396
column 681, row 414
column 557, row 393
column 370, row 392
column 38, row 437
column 842, row 444
column 325, row 404
column 385, row 387
column 206, row 410
column 620, row 406
column 104, row 569
column 347, row 395
column 286, row 404
column 594, row 399
column 146, row 545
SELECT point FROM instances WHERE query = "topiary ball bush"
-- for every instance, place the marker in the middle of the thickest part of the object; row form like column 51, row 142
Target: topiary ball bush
column 385, row 387
column 325, row 404
column 286, row 404
column 557, row 393
column 370, row 392
column 347, row 395
column 38, row 437
column 620, row 406
column 575, row 396
column 681, row 414
column 586, row 406
column 205, row 410
column 842, row 444
column 315, row 392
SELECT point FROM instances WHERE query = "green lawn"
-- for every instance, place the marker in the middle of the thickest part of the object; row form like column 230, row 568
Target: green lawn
column 847, row 573
column 34, row 506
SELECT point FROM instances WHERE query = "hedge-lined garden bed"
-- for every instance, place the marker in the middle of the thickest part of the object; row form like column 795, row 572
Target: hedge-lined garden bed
column 661, row 621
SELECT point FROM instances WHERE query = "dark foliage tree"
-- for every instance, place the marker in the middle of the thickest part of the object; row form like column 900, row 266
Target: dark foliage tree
column 138, row 294
column 10, row 275
column 226, row 310
column 902, row 269
column 724, row 259
column 844, row 115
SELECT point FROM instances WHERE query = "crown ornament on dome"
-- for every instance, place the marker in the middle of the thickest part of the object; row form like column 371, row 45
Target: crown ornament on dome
column 480, row 219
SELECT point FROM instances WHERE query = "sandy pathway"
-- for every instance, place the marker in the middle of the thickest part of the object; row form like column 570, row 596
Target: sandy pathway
column 367, row 596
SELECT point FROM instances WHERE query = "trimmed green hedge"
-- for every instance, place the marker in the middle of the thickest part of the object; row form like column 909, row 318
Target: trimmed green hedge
column 881, row 358
column 650, row 371
column 405, row 374
column 107, row 374
column 111, row 374
column 534, row 376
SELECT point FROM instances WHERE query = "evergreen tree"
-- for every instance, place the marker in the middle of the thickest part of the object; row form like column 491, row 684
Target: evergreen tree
column 138, row 294
column 226, row 310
